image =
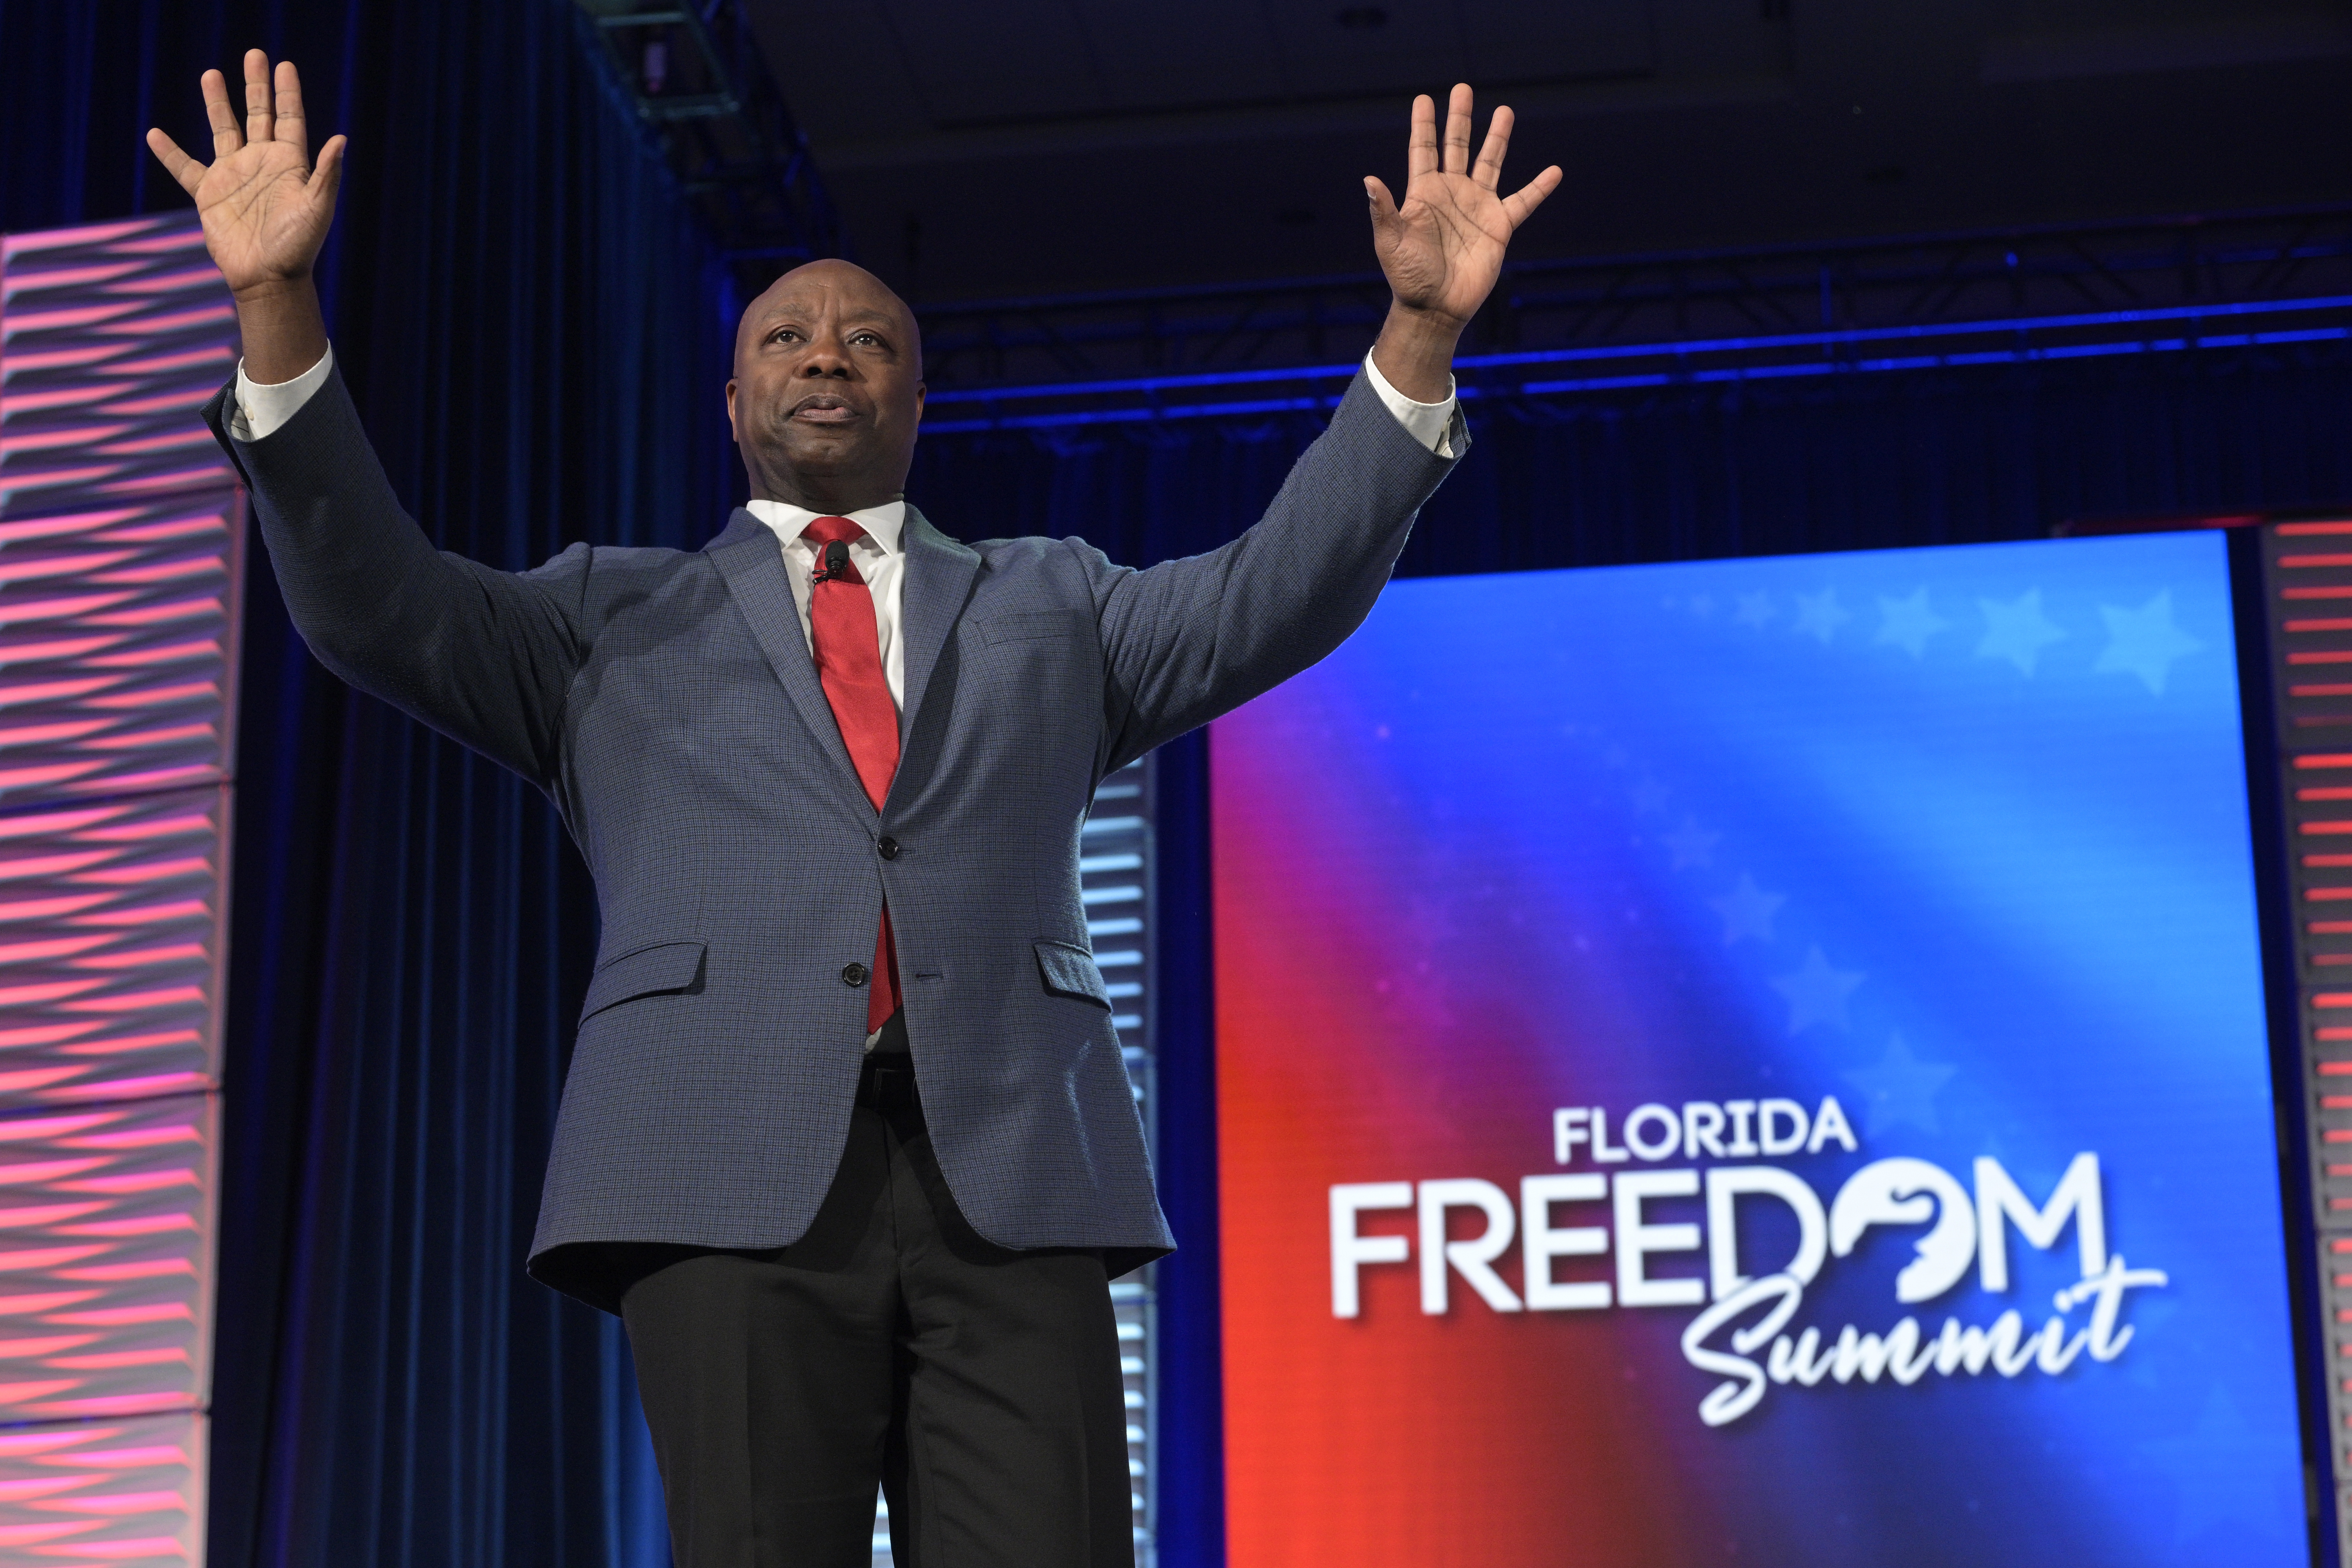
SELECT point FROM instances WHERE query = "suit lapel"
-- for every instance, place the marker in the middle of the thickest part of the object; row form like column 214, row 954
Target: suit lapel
column 753, row 563
column 939, row 577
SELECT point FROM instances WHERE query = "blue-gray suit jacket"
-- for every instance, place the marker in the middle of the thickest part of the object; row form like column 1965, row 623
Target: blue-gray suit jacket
column 665, row 701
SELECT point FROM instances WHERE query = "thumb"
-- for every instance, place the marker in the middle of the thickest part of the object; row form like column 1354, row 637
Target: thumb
column 1385, row 220
column 327, row 176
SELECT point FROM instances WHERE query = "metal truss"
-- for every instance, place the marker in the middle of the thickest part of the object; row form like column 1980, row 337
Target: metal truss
column 696, row 73
column 1563, row 327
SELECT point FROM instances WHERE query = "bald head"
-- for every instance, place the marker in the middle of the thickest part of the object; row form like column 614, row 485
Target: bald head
column 828, row 391
column 807, row 286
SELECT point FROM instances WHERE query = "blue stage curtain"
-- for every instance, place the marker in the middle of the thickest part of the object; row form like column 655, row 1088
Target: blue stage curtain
column 528, row 320
column 1851, row 462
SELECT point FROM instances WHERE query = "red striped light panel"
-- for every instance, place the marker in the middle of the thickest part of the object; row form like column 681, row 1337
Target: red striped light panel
column 2307, row 576
column 121, row 533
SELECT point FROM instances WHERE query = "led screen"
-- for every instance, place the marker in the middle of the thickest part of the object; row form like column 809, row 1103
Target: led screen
column 1755, row 1062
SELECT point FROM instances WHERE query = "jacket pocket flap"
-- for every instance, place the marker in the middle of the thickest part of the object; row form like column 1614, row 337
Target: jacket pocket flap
column 1070, row 971
column 663, row 967
column 1024, row 625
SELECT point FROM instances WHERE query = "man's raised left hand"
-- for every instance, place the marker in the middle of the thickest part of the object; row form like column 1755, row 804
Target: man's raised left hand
column 1443, row 250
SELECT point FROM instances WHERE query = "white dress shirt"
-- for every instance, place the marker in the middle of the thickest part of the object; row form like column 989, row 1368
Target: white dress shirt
column 880, row 555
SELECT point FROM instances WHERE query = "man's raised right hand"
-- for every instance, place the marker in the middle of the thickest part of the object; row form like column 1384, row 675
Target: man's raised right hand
column 265, row 212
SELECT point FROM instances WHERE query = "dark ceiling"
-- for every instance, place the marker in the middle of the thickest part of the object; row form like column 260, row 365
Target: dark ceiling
column 1048, row 146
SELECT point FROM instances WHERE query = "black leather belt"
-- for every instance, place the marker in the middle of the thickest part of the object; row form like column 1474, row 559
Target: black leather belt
column 888, row 1083
column 886, row 1079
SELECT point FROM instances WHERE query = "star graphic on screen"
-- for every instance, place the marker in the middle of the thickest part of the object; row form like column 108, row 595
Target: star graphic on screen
column 1901, row 1089
column 1908, row 623
column 1691, row 845
column 1649, row 795
column 1747, row 910
column 2017, row 632
column 1754, row 610
column 2145, row 642
column 2204, row 1492
column 1817, row 993
column 1820, row 614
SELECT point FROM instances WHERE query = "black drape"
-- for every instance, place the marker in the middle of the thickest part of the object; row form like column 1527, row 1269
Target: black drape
column 520, row 299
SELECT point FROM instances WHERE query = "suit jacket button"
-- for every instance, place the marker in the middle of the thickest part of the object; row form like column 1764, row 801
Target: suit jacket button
column 853, row 974
column 889, row 848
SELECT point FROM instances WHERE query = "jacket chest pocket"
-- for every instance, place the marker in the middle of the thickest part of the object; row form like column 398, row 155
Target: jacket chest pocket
column 1025, row 627
column 1029, row 679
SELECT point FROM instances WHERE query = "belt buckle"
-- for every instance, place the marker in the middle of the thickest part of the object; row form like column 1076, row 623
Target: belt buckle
column 889, row 1081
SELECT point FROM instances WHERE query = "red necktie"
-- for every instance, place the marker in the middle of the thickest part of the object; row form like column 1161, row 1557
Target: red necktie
column 849, row 663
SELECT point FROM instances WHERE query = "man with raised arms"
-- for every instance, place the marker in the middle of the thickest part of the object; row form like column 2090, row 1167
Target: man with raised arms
column 848, row 1140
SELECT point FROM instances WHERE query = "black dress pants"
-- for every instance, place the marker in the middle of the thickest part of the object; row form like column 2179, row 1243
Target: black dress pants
column 979, row 1386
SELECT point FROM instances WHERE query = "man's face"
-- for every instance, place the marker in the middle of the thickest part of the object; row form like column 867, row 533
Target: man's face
column 828, row 388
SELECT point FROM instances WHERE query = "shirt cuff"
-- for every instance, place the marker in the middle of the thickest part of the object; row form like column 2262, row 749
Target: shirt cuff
column 1427, row 423
column 262, row 407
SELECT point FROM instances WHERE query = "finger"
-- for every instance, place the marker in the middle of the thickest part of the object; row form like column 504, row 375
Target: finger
column 256, row 96
column 292, row 127
column 1383, row 205
column 327, row 177
column 1457, row 130
column 178, row 165
column 225, row 139
column 1532, row 195
column 1420, row 152
column 1488, row 170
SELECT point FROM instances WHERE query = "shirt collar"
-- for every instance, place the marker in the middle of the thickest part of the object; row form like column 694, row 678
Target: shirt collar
column 882, row 523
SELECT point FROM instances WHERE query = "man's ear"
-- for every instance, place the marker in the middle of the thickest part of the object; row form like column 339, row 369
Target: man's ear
column 732, row 430
column 919, row 390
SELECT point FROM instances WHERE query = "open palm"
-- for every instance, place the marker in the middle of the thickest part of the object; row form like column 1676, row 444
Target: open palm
column 266, row 210
column 1443, row 250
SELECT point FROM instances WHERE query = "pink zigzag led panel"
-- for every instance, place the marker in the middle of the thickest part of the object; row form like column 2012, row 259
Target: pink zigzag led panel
column 112, row 336
column 116, row 663
column 105, row 1311
column 110, row 940
column 112, row 1494
column 121, row 534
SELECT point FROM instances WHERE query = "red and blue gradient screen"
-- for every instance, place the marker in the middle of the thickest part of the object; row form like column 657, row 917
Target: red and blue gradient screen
column 1756, row 1062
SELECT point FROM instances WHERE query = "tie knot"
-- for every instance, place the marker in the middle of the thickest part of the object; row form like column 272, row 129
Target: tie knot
column 825, row 530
